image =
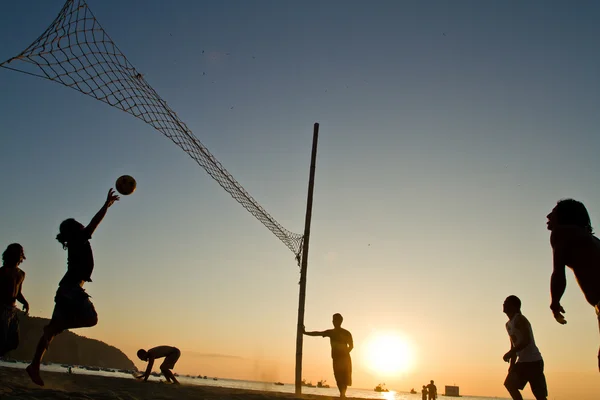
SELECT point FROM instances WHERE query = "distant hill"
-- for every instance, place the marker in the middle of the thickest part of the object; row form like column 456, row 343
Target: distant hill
column 67, row 348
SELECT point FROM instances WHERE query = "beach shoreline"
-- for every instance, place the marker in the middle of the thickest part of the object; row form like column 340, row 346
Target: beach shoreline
column 15, row 384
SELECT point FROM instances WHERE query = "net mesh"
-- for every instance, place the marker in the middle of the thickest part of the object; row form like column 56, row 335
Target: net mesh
column 75, row 51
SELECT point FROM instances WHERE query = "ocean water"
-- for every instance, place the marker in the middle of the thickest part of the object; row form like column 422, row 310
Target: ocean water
column 252, row 385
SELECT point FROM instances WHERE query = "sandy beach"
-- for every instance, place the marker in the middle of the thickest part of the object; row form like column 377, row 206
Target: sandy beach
column 15, row 384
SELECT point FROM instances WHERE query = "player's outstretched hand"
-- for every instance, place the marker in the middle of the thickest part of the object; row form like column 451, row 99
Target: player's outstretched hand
column 111, row 197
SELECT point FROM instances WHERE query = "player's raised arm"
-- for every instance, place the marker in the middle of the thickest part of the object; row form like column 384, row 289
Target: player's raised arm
column 110, row 199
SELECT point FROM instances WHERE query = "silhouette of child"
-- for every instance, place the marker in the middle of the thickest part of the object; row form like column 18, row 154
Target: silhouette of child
column 574, row 246
column 11, row 282
column 73, row 308
column 171, row 355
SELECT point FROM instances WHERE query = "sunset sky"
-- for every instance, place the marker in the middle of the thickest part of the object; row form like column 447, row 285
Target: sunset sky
column 448, row 132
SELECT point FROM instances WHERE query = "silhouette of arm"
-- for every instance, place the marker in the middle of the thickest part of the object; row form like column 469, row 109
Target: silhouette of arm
column 350, row 342
column 518, row 343
column 148, row 368
column 316, row 333
column 558, row 280
column 513, row 357
column 110, row 199
column 20, row 298
column 523, row 326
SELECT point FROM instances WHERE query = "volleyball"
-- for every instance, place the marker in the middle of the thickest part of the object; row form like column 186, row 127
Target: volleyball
column 125, row 185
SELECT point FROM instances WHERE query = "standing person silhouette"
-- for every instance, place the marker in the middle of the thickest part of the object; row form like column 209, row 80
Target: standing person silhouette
column 341, row 346
column 530, row 366
column 432, row 390
column 11, row 283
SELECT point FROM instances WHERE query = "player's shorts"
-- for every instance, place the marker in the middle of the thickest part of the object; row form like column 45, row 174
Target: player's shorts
column 9, row 329
column 171, row 359
column 533, row 372
column 73, row 304
column 342, row 370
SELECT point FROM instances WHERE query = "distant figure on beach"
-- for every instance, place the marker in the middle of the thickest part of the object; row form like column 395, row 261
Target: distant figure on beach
column 341, row 346
column 73, row 308
column 424, row 393
column 530, row 366
column 11, row 282
column 575, row 246
column 171, row 355
column 432, row 390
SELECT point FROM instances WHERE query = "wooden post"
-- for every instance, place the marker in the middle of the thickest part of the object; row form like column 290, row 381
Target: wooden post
column 309, row 202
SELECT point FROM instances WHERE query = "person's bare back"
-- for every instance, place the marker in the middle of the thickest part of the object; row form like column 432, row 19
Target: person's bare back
column 171, row 355
column 161, row 351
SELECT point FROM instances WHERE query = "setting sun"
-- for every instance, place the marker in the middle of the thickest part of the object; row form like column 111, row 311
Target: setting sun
column 388, row 354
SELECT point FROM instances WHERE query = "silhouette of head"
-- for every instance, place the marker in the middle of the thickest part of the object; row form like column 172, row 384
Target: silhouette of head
column 142, row 355
column 511, row 305
column 13, row 255
column 431, row 381
column 569, row 212
column 337, row 320
column 68, row 230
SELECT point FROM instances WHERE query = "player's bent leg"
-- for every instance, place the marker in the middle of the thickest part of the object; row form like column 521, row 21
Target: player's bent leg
column 83, row 322
column 49, row 333
column 86, row 315
column 172, row 376
column 166, row 374
column 538, row 385
column 512, row 384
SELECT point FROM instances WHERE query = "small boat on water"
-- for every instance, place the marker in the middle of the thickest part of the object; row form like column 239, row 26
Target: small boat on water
column 381, row 388
column 278, row 384
column 413, row 391
column 322, row 384
column 307, row 384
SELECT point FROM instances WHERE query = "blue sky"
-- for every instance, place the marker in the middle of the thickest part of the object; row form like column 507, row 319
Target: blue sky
column 448, row 132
